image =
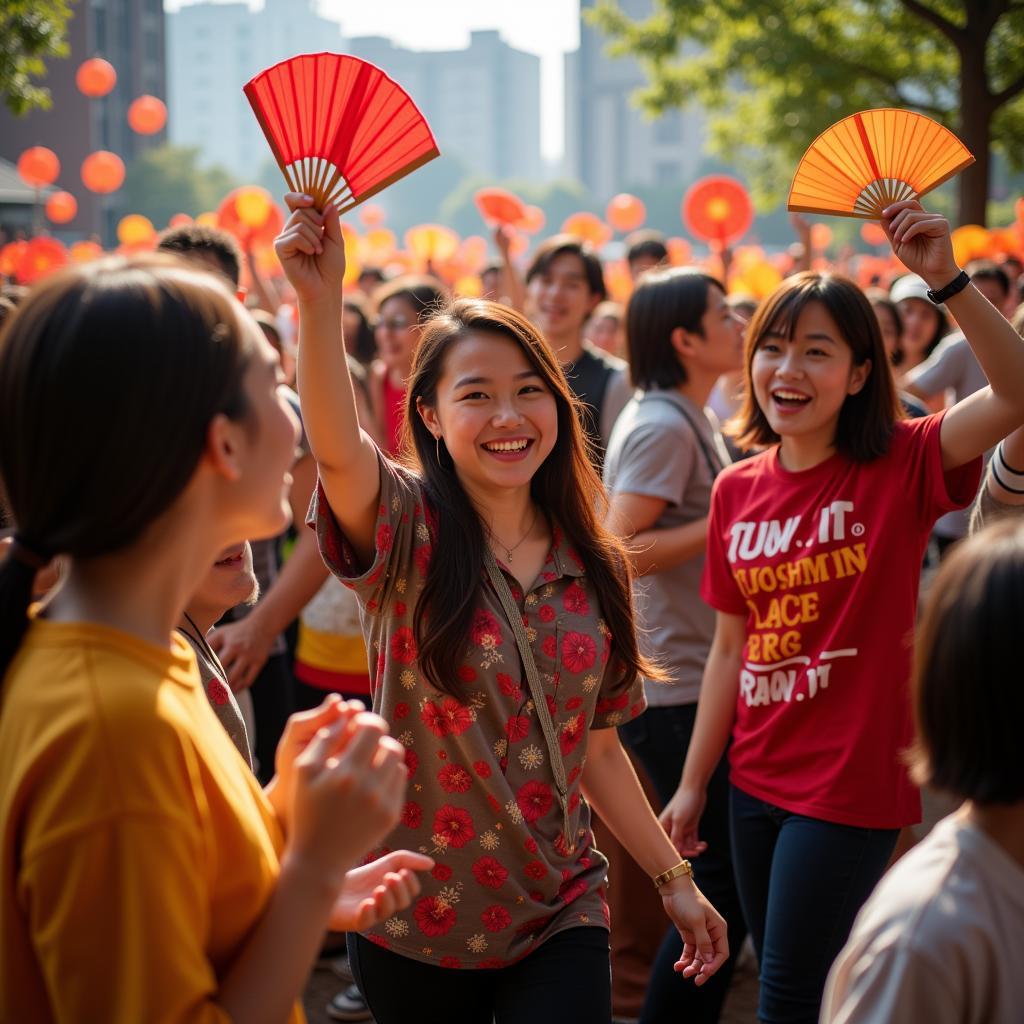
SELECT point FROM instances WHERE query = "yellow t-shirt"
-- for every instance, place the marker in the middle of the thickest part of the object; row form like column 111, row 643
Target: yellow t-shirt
column 138, row 850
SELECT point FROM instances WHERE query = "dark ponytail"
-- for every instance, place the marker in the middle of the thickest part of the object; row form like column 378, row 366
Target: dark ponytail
column 110, row 374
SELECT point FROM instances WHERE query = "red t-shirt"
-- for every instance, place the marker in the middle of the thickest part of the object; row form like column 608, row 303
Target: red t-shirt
column 825, row 565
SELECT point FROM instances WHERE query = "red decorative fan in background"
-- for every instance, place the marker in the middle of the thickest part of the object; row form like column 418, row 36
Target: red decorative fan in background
column 718, row 209
column 340, row 129
column 499, row 206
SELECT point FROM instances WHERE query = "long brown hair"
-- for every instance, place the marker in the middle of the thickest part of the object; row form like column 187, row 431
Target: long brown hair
column 867, row 418
column 110, row 374
column 566, row 488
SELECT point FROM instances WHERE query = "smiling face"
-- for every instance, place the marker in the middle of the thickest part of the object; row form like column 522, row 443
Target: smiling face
column 720, row 350
column 494, row 412
column 801, row 381
column 560, row 298
column 920, row 322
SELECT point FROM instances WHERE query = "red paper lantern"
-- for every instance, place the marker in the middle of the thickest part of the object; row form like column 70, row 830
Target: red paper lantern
column 147, row 115
column 499, row 206
column 95, row 77
column 588, row 227
column 718, row 209
column 10, row 257
column 38, row 166
column 179, row 220
column 103, row 172
column 872, row 233
column 42, row 256
column 626, row 212
column 61, row 207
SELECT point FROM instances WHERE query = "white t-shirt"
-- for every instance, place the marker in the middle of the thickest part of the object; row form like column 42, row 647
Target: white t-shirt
column 940, row 941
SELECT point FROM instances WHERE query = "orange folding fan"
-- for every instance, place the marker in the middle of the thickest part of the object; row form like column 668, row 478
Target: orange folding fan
column 874, row 158
column 340, row 129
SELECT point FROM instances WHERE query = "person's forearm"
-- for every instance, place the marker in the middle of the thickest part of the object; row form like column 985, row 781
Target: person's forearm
column 613, row 790
column 716, row 711
column 269, row 974
column 655, row 551
column 1013, row 455
column 301, row 577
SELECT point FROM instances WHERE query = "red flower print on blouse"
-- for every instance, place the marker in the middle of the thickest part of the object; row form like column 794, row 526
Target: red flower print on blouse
column 575, row 600
column 384, row 539
column 490, row 964
column 403, row 645
column 467, row 674
column 431, row 716
column 451, row 961
column 517, row 728
column 458, row 717
column 484, row 628
column 572, row 889
column 496, row 918
column 412, row 815
column 401, row 710
column 454, row 779
column 379, row 940
column 400, row 608
column 573, row 703
column 535, row 869
column 454, row 825
column 490, row 872
column 482, row 768
column 421, row 556
column 441, row 872
column 217, row 692
column 412, row 761
column 509, row 686
column 530, row 844
column 578, row 651
column 382, row 660
column 612, row 703
column 549, row 646
column 434, row 917
column 572, row 733
column 534, row 799
column 546, row 613
column 552, row 705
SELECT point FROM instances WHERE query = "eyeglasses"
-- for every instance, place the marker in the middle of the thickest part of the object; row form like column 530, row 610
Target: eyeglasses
column 395, row 323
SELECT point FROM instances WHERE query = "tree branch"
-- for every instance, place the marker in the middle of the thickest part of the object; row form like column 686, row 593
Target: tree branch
column 1010, row 92
column 947, row 28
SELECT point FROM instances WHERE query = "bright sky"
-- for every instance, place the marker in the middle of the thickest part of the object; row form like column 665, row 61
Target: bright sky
column 549, row 28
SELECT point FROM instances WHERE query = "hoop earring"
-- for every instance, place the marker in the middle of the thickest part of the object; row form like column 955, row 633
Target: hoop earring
column 437, row 451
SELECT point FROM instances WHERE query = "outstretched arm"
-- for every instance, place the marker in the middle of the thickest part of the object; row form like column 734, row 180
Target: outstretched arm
column 312, row 251
column 922, row 242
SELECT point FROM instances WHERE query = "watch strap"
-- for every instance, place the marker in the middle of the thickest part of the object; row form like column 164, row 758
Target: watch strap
column 957, row 285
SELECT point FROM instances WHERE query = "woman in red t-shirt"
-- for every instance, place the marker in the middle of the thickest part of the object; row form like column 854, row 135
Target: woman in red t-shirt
column 497, row 614
column 813, row 559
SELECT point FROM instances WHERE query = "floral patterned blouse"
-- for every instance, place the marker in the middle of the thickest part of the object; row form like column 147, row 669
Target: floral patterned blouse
column 482, row 799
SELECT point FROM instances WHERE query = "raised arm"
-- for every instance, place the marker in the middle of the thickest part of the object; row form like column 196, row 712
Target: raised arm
column 312, row 251
column 922, row 242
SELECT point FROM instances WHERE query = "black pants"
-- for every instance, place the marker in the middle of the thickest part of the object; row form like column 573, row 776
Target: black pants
column 273, row 700
column 566, row 979
column 660, row 737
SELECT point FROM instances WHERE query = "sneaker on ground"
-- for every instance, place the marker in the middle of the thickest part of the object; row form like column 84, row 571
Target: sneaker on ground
column 349, row 1004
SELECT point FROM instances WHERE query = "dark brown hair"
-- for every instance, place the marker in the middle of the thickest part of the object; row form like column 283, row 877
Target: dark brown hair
column 110, row 374
column 199, row 240
column 968, row 698
column 425, row 294
column 566, row 488
column 558, row 245
column 867, row 418
column 664, row 300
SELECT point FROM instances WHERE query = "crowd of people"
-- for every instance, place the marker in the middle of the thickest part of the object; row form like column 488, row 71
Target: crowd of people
column 336, row 621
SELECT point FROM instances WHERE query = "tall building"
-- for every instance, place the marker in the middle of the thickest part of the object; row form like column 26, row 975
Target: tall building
column 482, row 102
column 213, row 49
column 129, row 34
column 610, row 144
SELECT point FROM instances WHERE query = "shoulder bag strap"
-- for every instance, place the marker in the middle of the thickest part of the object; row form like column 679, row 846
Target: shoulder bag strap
column 714, row 463
column 540, row 703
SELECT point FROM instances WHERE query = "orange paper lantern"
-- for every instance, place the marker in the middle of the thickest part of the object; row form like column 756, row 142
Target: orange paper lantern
column 38, row 166
column 679, row 251
column 250, row 214
column 135, row 230
column 588, row 227
column 207, row 219
column 970, row 242
column 84, row 252
column 499, row 206
column 533, row 220
column 61, row 207
column 821, row 236
column 41, row 257
column 718, row 209
column 147, row 115
column 10, row 257
column 95, row 77
column 626, row 212
column 103, row 172
column 872, row 233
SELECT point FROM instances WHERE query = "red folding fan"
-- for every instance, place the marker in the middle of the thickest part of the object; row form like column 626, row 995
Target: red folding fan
column 340, row 129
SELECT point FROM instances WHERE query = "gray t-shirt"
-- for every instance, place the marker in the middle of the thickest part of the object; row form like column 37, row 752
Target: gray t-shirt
column 951, row 367
column 655, row 451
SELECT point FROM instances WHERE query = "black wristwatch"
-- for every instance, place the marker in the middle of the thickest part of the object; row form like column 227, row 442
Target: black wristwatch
column 957, row 285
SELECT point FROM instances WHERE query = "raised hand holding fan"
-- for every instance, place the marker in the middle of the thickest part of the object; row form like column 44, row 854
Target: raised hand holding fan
column 872, row 159
column 340, row 129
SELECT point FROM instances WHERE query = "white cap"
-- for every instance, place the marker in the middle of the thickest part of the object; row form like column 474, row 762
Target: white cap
column 910, row 286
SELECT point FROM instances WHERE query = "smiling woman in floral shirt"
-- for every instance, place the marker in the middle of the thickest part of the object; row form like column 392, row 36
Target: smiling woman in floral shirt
column 502, row 652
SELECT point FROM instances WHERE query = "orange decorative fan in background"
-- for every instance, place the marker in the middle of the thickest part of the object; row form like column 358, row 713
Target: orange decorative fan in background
column 499, row 206
column 340, row 129
column 872, row 159
column 587, row 227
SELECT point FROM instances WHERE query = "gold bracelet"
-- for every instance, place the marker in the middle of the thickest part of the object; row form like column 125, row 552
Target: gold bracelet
column 684, row 867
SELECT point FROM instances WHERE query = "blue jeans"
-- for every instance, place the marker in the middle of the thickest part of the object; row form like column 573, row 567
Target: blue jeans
column 801, row 882
column 660, row 738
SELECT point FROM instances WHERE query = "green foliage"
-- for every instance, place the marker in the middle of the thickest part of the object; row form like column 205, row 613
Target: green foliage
column 30, row 31
column 166, row 180
column 773, row 76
